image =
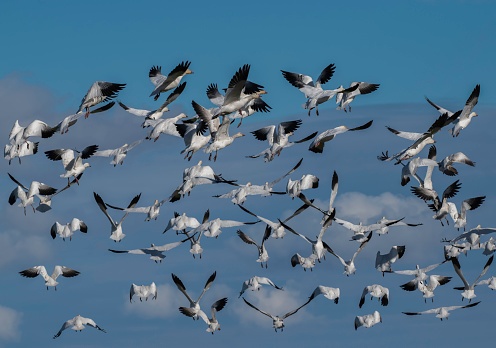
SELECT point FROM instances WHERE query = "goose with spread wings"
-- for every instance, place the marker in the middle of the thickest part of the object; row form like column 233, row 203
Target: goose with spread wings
column 213, row 323
column 78, row 324
column 143, row 291
column 383, row 262
column 193, row 137
column 99, row 92
column 319, row 141
column 50, row 280
column 345, row 97
column 263, row 255
column 442, row 312
column 73, row 165
column 194, row 306
column 26, row 195
column 468, row 289
column 349, row 266
column 156, row 252
column 27, row 148
column 460, row 219
column 20, row 135
column 67, row 230
column 255, row 283
column 367, row 320
column 118, row 154
column 375, row 290
column 164, row 83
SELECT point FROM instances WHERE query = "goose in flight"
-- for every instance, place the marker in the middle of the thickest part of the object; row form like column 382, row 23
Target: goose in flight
column 221, row 138
column 254, row 105
column 278, row 230
column 305, row 262
column 468, row 290
column 410, row 169
column 375, row 290
column 67, row 230
column 278, row 321
column 26, row 195
column 116, row 227
column 73, row 165
column 314, row 92
column 446, row 164
column 46, row 201
column 213, row 324
column 181, row 222
column 50, row 280
column 386, row 223
column 158, row 113
column 307, row 181
column 239, row 92
column 466, row 115
column 255, row 283
column 152, row 212
column 441, row 312
column 156, row 252
column 212, row 228
column 69, row 121
column 427, row 289
column 99, row 91
column 263, row 255
column 77, row 324
column 164, row 83
column 420, row 139
column 164, row 126
column 383, row 262
column 194, row 306
column 441, row 207
column 460, row 219
column 193, row 137
column 345, row 97
column 472, row 236
column 27, row 148
column 368, row 320
column 319, row 141
column 490, row 282
column 418, row 273
column 349, row 266
column 20, row 135
column 360, row 229
column 318, row 246
column 328, row 292
column 239, row 195
column 118, row 154
column 143, row 291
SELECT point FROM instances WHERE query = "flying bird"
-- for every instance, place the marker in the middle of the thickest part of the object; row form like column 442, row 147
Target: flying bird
column 368, row 320
column 99, row 92
column 143, row 291
column 319, row 141
column 255, row 283
column 441, row 312
column 164, row 83
column 375, row 290
column 78, row 324
column 67, row 230
column 213, row 324
column 50, row 280
column 194, row 306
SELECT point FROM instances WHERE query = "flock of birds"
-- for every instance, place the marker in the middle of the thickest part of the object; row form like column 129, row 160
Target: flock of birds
column 209, row 130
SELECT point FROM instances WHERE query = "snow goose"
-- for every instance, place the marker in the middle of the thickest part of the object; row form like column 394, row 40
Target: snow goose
column 368, row 320
column 328, row 292
column 239, row 92
column 254, row 105
column 383, row 262
column 12, row 151
column 460, row 220
column 386, row 223
column 26, row 196
column 428, row 289
column 442, row 312
column 349, row 266
column 345, row 97
column 239, row 195
column 119, row 154
column 466, row 116
column 115, row 227
column 194, row 306
column 468, row 290
column 77, row 324
column 212, row 228
column 314, row 92
column 490, row 282
column 152, row 212
column 360, row 229
column 99, row 91
column 318, row 143
column 410, row 169
column 213, row 324
column 156, row 252
column 375, row 290
column 441, row 207
column 46, row 200
column 164, row 83
column 419, row 273
column 164, row 126
column 181, row 222
column 420, row 139
column 221, row 138
column 446, row 164
column 36, row 128
column 305, row 262
column 73, row 165
column 307, row 181
column 143, row 291
column 69, row 121
column 158, row 113
column 472, row 236
column 67, row 230
column 255, row 283
column 263, row 255
column 50, row 280
column 278, row 321
column 278, row 230
column 193, row 138
column 318, row 246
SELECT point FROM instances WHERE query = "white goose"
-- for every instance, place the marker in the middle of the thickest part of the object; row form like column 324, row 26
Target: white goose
column 181, row 222
column 221, row 138
column 468, row 290
column 255, row 283
column 490, row 282
column 26, row 149
column 164, row 126
column 73, row 165
column 254, row 105
column 278, row 321
column 67, row 230
column 116, row 233
column 156, row 252
column 473, row 236
column 99, row 91
column 428, row 289
column 466, row 115
column 328, row 292
column 307, row 181
column 383, row 262
column 118, row 154
column 26, row 196
column 368, row 320
column 418, row 273
column 33, row 272
column 349, row 266
column 46, row 201
column 193, row 138
column 212, row 228
column 213, row 324
column 152, row 212
column 375, row 290
column 446, row 164
column 263, row 255
column 442, row 312
column 345, row 97
column 318, row 143
column 164, row 83
column 77, row 324
column 69, row 121
column 460, row 219
column 305, row 262
column 143, row 291
column 20, row 135
column 194, row 306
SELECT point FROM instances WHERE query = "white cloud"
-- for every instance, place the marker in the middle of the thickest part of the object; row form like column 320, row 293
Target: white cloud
column 10, row 320
column 15, row 246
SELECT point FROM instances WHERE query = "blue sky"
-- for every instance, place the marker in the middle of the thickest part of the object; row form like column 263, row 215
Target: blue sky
column 54, row 52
